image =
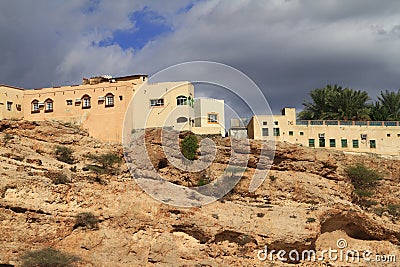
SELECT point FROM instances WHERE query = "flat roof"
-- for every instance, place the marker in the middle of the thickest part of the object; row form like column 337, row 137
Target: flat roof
column 10, row 86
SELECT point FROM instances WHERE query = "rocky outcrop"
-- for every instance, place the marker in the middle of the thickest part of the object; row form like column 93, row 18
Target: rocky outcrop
column 304, row 203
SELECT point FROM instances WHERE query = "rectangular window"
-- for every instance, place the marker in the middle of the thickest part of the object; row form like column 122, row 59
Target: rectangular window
column 212, row 118
column 86, row 102
column 372, row 143
column 157, row 102
column 265, row 123
column 18, row 106
column 109, row 101
column 332, row 143
column 9, row 106
column 344, row 142
column 291, row 133
column 311, row 142
column 69, row 102
column 35, row 106
column 355, row 143
column 49, row 106
column 388, row 135
column 301, row 133
column 265, row 132
column 321, row 142
column 121, row 98
column 275, row 122
column 276, row 132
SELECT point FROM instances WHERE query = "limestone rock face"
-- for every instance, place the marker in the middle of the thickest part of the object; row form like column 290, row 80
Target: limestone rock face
column 305, row 203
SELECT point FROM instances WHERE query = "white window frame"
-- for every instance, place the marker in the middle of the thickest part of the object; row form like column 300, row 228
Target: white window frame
column 49, row 105
column 35, row 106
column 157, row 102
column 212, row 118
column 86, row 102
column 109, row 100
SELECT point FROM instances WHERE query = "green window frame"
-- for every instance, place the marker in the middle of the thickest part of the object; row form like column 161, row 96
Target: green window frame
column 265, row 132
column 276, row 132
column 372, row 143
column 332, row 142
column 344, row 142
column 311, row 142
column 355, row 143
column 322, row 142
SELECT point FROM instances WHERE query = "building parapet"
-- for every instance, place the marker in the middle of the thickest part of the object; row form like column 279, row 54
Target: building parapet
column 346, row 123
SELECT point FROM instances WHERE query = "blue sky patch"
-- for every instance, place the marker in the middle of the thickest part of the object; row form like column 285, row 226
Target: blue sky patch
column 148, row 25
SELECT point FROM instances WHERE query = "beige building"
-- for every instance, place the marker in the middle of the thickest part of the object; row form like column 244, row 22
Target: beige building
column 380, row 137
column 104, row 105
column 166, row 104
column 98, row 105
column 210, row 116
column 11, row 102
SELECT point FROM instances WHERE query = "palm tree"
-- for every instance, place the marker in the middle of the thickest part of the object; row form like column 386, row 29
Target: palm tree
column 336, row 103
column 377, row 112
column 390, row 102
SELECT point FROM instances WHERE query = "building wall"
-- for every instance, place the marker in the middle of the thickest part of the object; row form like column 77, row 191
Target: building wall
column 142, row 115
column 11, row 99
column 203, row 107
column 102, row 122
column 387, row 138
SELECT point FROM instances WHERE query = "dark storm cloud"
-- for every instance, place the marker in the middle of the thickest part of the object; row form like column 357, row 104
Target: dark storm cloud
column 286, row 47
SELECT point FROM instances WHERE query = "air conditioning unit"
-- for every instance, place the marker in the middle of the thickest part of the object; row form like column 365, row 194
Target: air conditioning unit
column 321, row 135
column 78, row 100
column 363, row 136
column 101, row 98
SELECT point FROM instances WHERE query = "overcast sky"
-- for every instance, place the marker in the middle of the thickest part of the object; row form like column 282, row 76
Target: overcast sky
column 286, row 47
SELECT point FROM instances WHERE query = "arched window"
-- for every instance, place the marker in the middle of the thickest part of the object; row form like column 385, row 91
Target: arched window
column 109, row 100
column 48, row 105
column 35, row 106
column 181, row 100
column 86, row 101
column 181, row 120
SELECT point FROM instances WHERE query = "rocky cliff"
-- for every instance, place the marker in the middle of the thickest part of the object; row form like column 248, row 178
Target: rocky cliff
column 305, row 203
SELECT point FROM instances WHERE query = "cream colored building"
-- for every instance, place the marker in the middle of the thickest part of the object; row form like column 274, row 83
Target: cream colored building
column 97, row 105
column 210, row 116
column 11, row 102
column 166, row 104
column 104, row 105
column 380, row 137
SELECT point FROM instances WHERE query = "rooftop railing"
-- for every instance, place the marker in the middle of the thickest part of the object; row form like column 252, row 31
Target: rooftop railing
column 346, row 123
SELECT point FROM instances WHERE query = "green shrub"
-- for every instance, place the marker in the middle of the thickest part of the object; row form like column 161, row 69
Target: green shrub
column 394, row 209
column 86, row 220
column 363, row 192
column 272, row 178
column 190, row 144
column 379, row 211
column 310, row 220
column 7, row 138
column 64, row 154
column 201, row 182
column 104, row 164
column 48, row 257
column 361, row 177
column 57, row 177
